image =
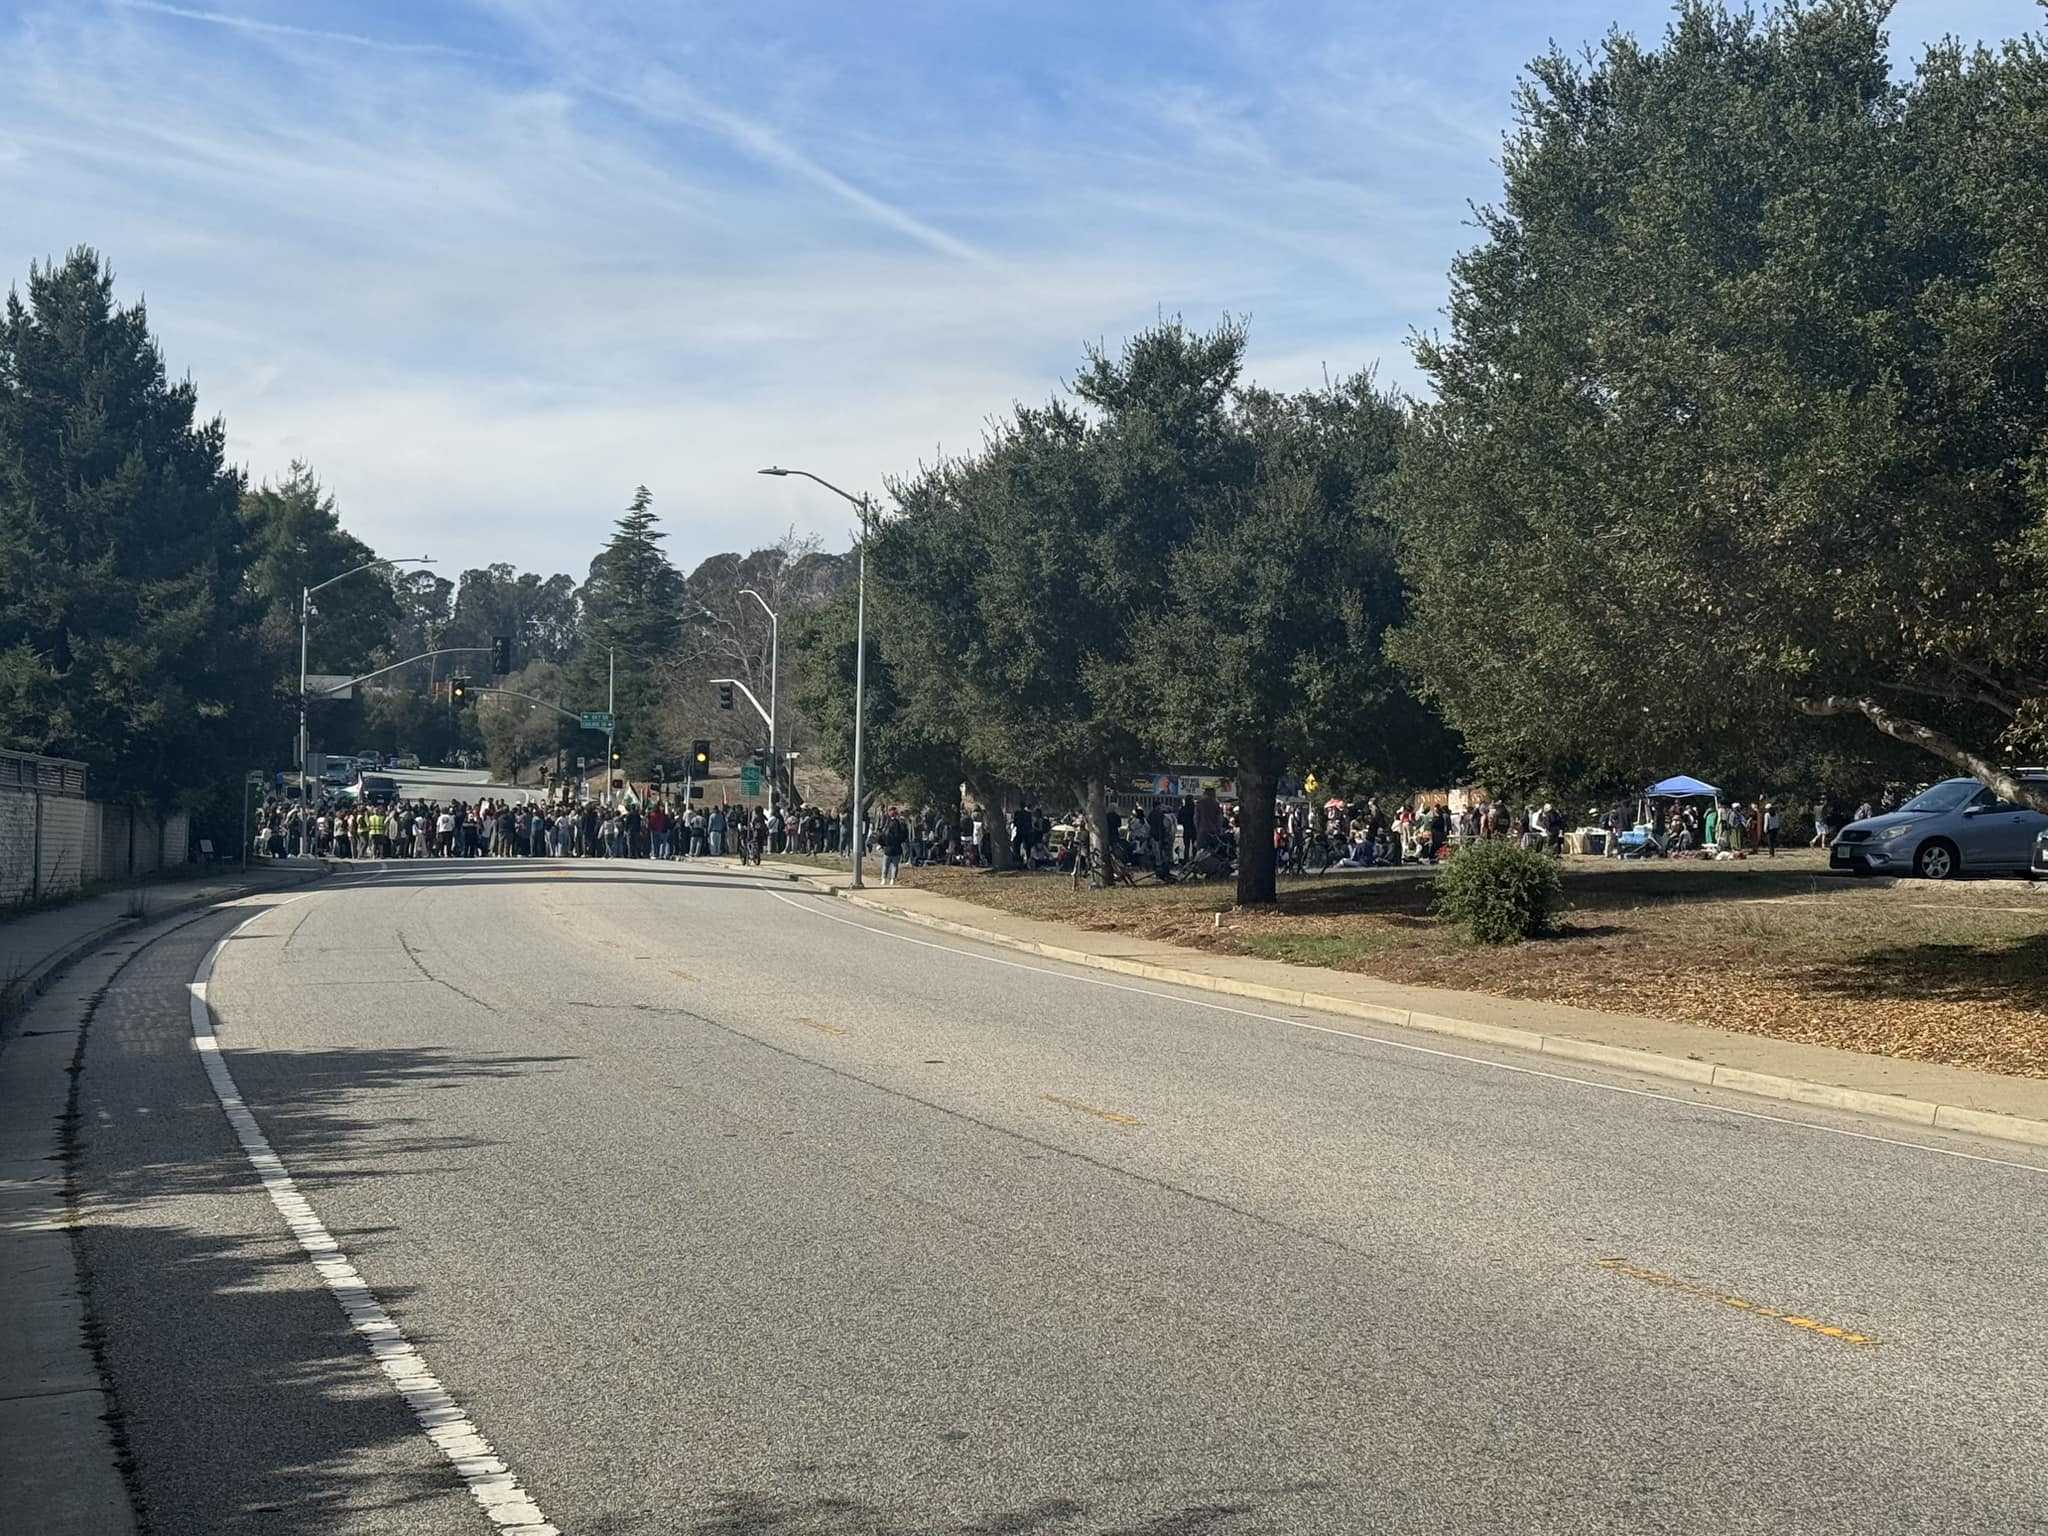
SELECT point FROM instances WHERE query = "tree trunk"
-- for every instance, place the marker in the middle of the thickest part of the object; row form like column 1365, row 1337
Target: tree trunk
column 1256, row 786
column 1098, row 831
column 995, row 816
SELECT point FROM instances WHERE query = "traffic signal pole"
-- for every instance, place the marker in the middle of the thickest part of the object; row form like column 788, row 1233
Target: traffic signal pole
column 611, row 672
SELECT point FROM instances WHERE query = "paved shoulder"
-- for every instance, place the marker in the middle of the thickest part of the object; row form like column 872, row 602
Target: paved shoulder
column 249, row 1403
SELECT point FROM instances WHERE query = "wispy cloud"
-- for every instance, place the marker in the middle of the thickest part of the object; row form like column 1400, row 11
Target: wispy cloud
column 596, row 60
column 488, row 265
column 666, row 99
column 260, row 28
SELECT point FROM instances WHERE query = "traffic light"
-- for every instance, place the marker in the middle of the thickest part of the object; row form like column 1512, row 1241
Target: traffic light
column 700, row 757
column 725, row 695
column 459, row 689
column 501, row 655
column 661, row 774
column 617, row 758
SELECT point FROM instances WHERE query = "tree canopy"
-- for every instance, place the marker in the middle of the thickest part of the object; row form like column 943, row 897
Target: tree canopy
column 1742, row 416
column 1267, row 654
column 1170, row 565
column 126, row 626
column 632, row 611
column 295, row 540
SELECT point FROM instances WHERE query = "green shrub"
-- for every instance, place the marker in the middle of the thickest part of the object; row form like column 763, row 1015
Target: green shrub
column 1499, row 892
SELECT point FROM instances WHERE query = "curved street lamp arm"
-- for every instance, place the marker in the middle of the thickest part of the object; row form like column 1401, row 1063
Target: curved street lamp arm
column 766, row 719
column 366, row 565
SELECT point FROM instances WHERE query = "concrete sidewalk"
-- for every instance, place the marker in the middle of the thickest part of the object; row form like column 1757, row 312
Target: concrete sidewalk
column 1915, row 1092
column 37, row 946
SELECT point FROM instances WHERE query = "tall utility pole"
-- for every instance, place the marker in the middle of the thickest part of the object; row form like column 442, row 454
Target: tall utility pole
column 860, row 689
column 860, row 650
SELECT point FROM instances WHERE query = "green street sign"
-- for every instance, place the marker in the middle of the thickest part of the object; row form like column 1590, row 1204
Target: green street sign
column 750, row 779
column 596, row 720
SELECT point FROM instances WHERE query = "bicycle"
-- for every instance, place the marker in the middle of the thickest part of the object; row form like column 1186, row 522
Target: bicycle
column 1084, row 864
column 1311, row 855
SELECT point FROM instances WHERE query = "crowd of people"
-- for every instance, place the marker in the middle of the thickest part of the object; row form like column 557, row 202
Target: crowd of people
column 1194, row 834
column 499, row 828
column 1171, row 838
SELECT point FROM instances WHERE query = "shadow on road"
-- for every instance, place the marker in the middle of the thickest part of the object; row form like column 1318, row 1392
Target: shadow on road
column 243, row 1399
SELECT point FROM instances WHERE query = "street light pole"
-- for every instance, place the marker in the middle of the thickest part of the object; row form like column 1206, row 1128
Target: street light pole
column 860, row 652
column 305, row 620
column 860, row 688
column 774, row 672
column 305, row 615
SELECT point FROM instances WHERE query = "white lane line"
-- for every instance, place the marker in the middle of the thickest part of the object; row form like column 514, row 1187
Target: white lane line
column 1407, row 1045
column 489, row 1480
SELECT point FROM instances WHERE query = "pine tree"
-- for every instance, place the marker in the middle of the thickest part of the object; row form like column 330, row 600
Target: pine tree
column 296, row 540
column 632, row 607
column 126, row 631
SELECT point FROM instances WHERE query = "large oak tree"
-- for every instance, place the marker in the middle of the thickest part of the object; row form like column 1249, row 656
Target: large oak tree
column 1742, row 417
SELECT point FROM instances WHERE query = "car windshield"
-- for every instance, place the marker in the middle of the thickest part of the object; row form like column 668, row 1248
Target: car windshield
column 1948, row 795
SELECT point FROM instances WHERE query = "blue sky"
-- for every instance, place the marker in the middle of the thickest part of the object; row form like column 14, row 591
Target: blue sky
column 487, row 266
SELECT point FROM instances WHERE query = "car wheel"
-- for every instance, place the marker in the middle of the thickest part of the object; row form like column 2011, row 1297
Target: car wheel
column 1937, row 861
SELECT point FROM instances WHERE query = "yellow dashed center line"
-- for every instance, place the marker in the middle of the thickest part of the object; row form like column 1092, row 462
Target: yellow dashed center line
column 1114, row 1117
column 823, row 1029
column 1739, row 1303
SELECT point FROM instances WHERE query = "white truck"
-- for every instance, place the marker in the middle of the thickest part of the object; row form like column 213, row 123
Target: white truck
column 331, row 769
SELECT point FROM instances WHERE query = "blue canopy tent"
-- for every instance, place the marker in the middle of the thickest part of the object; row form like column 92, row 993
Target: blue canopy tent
column 1681, row 787
column 1638, row 842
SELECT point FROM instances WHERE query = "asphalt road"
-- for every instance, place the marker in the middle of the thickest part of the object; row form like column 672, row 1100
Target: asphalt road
column 467, row 784
column 724, row 1208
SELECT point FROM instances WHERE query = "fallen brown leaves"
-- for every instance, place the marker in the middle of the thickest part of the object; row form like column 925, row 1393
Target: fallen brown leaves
column 1948, row 973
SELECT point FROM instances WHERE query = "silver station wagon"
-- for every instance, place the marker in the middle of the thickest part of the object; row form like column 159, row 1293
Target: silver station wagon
column 1958, row 826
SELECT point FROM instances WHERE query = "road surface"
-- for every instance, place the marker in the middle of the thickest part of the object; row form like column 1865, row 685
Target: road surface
column 722, row 1207
column 466, row 784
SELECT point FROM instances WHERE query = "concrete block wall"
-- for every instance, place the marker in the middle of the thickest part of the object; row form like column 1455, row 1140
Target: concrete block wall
column 65, row 860
column 51, row 844
column 17, row 844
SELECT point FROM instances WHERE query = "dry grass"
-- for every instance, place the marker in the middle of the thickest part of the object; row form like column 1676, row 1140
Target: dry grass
column 1952, row 973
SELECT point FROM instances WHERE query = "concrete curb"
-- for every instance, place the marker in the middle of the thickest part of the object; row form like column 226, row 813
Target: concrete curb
column 39, row 976
column 1705, row 1074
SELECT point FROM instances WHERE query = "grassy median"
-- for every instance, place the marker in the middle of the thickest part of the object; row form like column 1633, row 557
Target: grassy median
column 1955, row 973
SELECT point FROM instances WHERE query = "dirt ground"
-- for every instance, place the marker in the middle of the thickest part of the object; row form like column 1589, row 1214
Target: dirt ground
column 1954, row 972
